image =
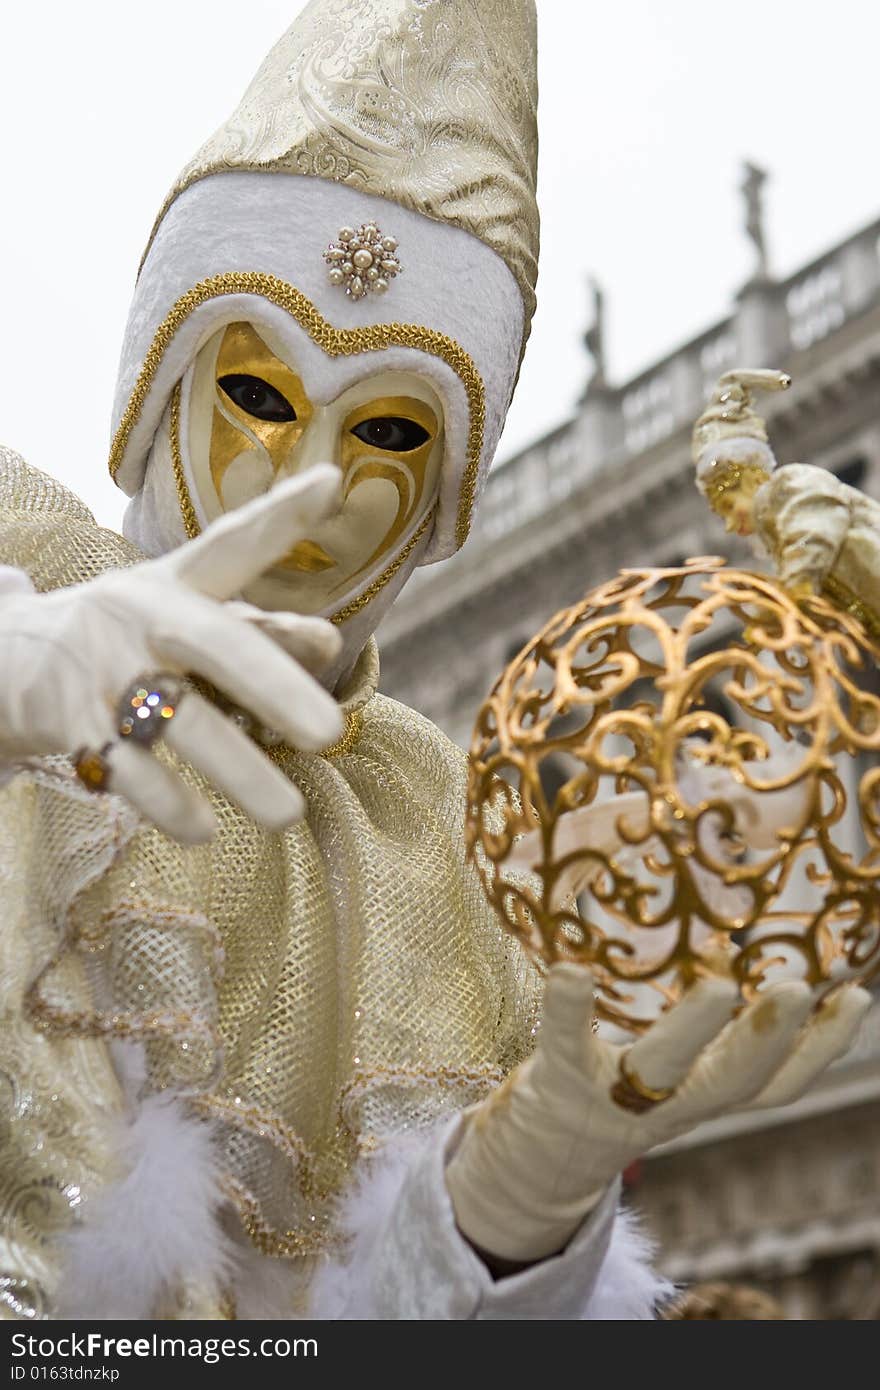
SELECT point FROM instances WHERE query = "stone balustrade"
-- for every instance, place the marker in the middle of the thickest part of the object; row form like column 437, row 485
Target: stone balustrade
column 771, row 323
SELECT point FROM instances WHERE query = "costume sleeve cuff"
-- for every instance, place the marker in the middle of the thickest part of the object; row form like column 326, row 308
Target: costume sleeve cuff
column 408, row 1260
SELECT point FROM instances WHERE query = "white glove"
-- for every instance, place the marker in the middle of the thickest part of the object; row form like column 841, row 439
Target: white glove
column 66, row 658
column 536, row 1156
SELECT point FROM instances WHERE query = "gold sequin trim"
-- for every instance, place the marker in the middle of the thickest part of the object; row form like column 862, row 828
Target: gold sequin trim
column 336, row 342
column 842, row 596
column 131, row 910
column 290, row 1244
column 256, row 1121
column 478, row 1079
column 61, row 1021
column 415, row 1076
column 24, row 1298
column 316, row 1239
column 354, row 725
column 728, row 477
column 67, row 1023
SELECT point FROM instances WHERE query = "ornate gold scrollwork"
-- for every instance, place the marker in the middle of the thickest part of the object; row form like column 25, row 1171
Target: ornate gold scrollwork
column 671, row 880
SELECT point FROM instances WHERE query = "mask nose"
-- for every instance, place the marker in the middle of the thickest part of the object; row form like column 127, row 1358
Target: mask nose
column 319, row 443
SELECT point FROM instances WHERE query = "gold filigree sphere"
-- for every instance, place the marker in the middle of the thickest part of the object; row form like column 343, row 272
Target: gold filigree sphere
column 679, row 776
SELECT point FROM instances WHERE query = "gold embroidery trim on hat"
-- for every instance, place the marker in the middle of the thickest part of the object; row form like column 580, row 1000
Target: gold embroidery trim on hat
column 336, row 342
column 187, row 510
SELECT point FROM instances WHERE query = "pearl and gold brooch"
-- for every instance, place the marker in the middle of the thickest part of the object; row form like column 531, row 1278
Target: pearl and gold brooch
column 362, row 261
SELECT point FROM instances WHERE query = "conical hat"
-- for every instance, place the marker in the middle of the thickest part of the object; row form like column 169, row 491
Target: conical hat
column 429, row 103
column 414, row 116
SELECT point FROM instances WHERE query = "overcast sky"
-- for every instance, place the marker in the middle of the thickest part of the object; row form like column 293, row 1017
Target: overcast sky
column 646, row 113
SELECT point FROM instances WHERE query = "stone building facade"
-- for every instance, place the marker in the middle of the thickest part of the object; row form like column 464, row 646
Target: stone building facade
column 788, row 1201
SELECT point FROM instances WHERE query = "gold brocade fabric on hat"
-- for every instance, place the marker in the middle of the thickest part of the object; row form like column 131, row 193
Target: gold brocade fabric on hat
column 313, row 991
column 429, row 103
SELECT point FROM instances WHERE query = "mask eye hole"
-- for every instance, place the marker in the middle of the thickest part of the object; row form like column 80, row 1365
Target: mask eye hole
column 391, row 432
column 257, row 397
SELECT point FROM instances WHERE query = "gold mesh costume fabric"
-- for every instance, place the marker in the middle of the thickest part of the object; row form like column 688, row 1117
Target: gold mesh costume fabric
column 314, row 991
column 429, row 103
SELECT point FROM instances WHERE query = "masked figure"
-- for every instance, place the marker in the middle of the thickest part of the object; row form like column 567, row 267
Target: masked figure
column 263, row 1074
column 821, row 535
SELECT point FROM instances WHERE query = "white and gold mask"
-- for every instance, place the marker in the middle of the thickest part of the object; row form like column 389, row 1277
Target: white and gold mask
column 416, row 117
column 244, row 238
column 252, row 420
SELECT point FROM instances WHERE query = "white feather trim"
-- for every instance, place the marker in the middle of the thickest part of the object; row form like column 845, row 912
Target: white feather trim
column 14, row 581
column 154, row 1228
column 627, row 1286
column 269, row 1288
column 342, row 1289
column 158, row 1228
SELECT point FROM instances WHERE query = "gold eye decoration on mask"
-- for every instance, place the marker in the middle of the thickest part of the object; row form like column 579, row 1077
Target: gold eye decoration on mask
column 260, row 412
column 388, row 448
column 257, row 397
column 390, row 440
column 391, row 433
